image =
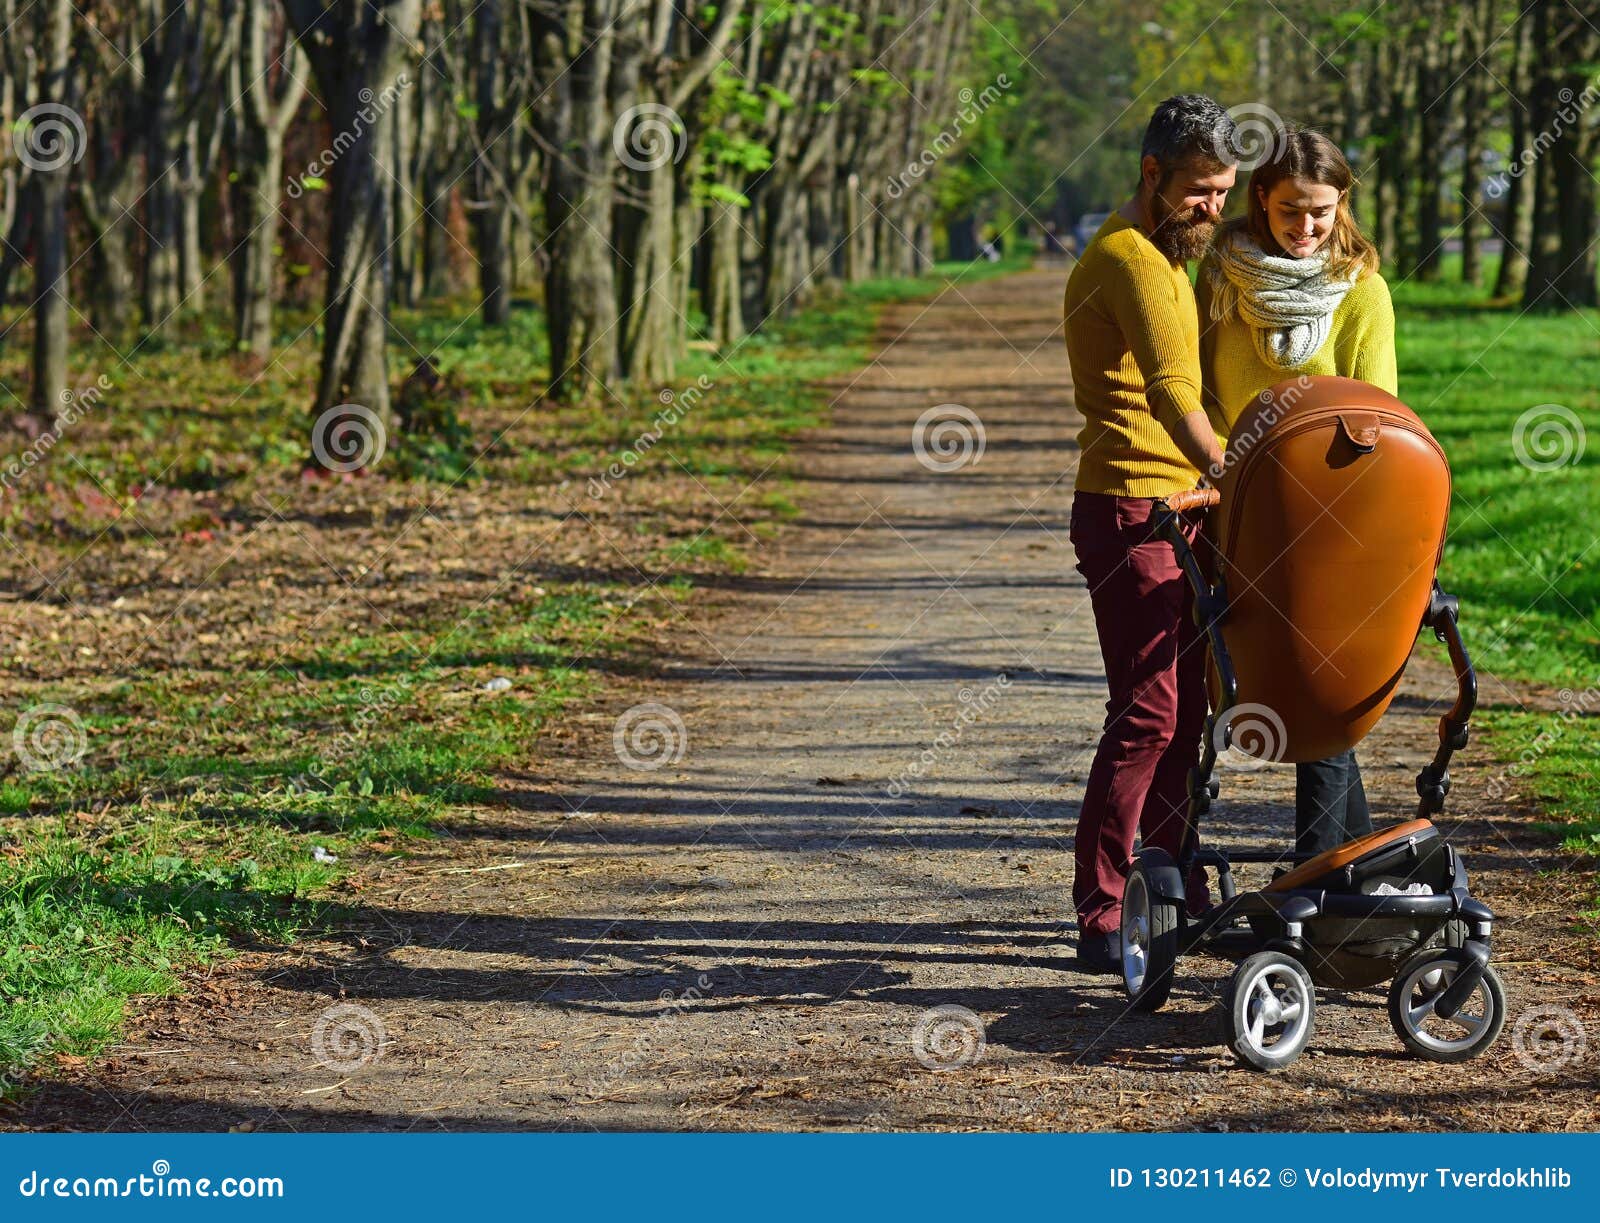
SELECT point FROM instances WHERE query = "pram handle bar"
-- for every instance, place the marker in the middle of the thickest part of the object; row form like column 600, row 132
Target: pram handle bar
column 1433, row 782
column 1210, row 607
column 1192, row 499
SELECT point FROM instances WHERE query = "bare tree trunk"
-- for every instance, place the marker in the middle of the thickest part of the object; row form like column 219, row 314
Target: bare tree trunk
column 491, row 220
column 1561, row 271
column 107, row 203
column 649, row 141
column 436, row 240
column 160, row 294
column 580, row 292
column 1575, row 188
column 191, row 182
column 1516, row 225
column 723, row 296
column 271, row 100
column 858, row 243
column 15, row 216
column 1434, row 98
column 660, row 72
column 361, row 58
column 253, row 313
column 1475, row 18
column 648, row 350
column 1384, row 220
column 56, row 154
column 17, row 235
column 685, row 231
column 406, row 132
column 963, row 237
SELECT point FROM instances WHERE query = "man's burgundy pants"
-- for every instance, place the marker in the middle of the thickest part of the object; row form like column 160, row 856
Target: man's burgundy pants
column 1155, row 669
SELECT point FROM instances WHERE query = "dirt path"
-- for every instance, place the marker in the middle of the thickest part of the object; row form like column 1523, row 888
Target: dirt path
column 750, row 936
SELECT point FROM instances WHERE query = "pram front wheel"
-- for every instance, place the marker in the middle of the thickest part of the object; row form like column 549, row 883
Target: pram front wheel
column 1149, row 933
column 1268, row 1010
column 1414, row 998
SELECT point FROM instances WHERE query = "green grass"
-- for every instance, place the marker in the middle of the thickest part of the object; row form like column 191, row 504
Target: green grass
column 1550, row 759
column 214, row 809
column 1523, row 551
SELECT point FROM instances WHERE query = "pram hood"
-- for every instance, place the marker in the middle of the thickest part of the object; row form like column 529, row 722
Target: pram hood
column 1329, row 530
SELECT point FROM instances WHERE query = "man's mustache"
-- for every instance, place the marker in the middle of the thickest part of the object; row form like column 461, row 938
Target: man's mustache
column 1196, row 217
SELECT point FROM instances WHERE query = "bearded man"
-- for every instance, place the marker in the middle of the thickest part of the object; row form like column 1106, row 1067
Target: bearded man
column 1133, row 339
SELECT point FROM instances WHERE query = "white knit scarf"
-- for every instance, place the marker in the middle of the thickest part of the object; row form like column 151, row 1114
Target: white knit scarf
column 1288, row 304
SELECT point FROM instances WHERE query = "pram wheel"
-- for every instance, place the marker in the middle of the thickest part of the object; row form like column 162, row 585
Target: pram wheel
column 1416, row 992
column 1149, row 934
column 1268, row 1009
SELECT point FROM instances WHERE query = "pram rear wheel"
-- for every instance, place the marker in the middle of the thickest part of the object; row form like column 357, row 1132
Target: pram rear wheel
column 1149, row 935
column 1268, row 1010
column 1415, row 994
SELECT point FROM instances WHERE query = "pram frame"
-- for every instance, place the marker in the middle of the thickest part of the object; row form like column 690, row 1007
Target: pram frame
column 1232, row 927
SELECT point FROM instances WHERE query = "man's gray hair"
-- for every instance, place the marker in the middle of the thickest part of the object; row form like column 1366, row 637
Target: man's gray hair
column 1190, row 125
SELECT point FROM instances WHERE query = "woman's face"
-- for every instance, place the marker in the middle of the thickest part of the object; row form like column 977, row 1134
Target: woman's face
column 1300, row 214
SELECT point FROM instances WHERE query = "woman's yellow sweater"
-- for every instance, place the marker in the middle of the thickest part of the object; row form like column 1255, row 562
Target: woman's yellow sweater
column 1360, row 344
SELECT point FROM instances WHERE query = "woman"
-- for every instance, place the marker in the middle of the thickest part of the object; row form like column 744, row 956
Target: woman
column 1292, row 287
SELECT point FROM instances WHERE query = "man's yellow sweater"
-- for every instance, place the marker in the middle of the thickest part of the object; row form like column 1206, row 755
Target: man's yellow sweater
column 1133, row 338
column 1360, row 344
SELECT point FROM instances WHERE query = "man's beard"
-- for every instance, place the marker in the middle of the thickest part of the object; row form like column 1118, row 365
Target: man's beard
column 1180, row 238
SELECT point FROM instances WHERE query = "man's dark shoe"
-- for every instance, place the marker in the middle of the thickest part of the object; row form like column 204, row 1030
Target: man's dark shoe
column 1100, row 953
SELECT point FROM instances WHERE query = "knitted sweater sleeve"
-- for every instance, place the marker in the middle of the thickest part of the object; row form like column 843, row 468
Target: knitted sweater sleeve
column 1373, row 358
column 1144, row 300
column 1208, row 345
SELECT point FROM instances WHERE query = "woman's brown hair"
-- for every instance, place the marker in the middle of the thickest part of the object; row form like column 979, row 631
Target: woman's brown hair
column 1307, row 154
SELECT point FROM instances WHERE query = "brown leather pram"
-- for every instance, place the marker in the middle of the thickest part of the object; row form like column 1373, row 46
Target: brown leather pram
column 1328, row 527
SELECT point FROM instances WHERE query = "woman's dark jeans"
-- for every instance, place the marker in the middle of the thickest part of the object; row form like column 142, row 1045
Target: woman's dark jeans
column 1330, row 806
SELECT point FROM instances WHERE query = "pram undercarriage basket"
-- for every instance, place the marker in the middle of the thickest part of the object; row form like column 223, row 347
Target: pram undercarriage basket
column 1328, row 529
